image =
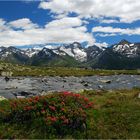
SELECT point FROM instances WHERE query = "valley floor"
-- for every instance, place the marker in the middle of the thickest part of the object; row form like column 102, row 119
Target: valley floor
column 115, row 94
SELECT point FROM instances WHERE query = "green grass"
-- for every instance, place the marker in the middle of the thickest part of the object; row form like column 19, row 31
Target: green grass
column 116, row 114
column 22, row 70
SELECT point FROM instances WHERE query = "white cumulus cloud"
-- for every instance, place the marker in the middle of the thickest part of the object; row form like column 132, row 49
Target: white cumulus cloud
column 23, row 23
column 24, row 32
column 110, row 31
column 126, row 10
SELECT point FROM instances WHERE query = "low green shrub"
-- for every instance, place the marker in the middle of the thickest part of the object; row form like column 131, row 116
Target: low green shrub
column 58, row 112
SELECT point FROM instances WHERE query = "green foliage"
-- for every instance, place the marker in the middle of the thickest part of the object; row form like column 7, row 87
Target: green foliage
column 57, row 113
column 115, row 114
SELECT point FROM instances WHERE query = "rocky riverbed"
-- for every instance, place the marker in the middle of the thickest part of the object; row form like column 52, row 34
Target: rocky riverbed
column 21, row 87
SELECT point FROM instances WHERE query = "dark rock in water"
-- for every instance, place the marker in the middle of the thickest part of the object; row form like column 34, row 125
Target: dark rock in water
column 7, row 78
column 24, row 93
column 106, row 81
column 44, row 80
column 82, row 82
column 86, row 85
column 19, row 94
column 64, row 81
column 15, row 94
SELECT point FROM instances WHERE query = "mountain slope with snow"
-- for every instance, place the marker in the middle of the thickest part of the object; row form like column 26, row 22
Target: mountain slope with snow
column 76, row 51
column 124, row 55
column 127, row 49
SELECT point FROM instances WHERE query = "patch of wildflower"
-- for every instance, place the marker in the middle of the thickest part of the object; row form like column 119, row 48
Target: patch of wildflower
column 56, row 110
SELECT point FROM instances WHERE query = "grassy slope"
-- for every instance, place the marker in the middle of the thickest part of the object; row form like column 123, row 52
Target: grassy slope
column 21, row 70
column 64, row 61
column 116, row 115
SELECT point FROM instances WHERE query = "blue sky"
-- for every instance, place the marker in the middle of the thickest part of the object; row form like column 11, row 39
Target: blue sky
column 100, row 22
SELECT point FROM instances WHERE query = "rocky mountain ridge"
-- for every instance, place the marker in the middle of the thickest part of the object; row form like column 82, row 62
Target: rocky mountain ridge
column 124, row 55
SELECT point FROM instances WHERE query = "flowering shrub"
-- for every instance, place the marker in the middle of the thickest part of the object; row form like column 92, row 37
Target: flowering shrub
column 62, row 110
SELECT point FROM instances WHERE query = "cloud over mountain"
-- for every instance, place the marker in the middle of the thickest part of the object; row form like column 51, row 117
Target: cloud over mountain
column 24, row 32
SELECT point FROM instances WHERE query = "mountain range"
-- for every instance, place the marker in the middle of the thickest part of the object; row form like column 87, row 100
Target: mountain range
column 123, row 55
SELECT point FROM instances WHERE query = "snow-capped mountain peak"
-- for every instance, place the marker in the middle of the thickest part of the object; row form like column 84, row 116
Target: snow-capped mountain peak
column 46, row 51
column 127, row 49
column 5, row 51
column 68, row 54
column 31, row 51
column 75, row 50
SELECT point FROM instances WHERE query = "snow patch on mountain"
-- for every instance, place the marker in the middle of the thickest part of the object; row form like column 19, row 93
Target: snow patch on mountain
column 51, row 47
column 80, row 54
column 127, row 49
column 67, row 50
column 46, row 51
column 4, row 55
column 58, row 52
column 77, row 53
column 31, row 51
column 132, row 45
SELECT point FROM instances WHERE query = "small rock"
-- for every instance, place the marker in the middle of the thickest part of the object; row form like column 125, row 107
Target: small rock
column 6, row 78
column 106, row 81
column 20, row 78
column 8, row 88
column 86, row 85
column 64, row 81
column 43, row 93
column 139, row 95
column 20, row 97
column 82, row 82
column 100, row 86
column 15, row 94
column 44, row 80
column 24, row 93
